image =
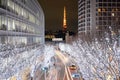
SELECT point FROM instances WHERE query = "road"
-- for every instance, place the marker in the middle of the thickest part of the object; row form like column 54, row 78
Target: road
column 59, row 71
column 67, row 71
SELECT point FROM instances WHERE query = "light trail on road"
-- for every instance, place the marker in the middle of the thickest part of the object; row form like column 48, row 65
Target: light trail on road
column 64, row 60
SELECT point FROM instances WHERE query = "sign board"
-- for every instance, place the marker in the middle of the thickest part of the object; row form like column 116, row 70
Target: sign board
column 57, row 39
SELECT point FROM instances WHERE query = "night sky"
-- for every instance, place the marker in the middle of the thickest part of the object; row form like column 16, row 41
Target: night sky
column 53, row 10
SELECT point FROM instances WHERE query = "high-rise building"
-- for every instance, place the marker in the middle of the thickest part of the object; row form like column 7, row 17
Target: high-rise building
column 21, row 22
column 64, row 20
column 98, row 16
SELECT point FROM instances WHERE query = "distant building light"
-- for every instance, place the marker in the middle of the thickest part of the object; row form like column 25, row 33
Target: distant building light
column 99, row 10
column 97, row 27
column 57, row 39
column 50, row 36
column 116, row 9
column 113, row 14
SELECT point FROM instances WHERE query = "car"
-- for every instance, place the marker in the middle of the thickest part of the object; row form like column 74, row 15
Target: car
column 73, row 67
column 75, row 75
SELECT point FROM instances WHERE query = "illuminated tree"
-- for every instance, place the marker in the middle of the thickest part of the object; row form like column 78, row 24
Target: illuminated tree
column 48, row 55
column 96, row 60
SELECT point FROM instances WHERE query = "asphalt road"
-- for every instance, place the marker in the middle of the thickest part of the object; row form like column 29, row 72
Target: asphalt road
column 58, row 71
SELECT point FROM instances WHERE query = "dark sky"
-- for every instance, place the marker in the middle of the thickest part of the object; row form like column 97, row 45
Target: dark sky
column 53, row 10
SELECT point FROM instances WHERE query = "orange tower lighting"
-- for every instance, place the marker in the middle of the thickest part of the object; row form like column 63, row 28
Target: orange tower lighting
column 64, row 20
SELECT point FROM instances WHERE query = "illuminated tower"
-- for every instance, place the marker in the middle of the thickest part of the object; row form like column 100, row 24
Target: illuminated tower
column 64, row 20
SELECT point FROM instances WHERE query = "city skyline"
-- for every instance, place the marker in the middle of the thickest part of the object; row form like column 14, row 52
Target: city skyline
column 54, row 14
column 29, row 52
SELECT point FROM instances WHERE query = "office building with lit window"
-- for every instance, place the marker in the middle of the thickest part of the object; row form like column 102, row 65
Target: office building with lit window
column 98, row 16
column 21, row 22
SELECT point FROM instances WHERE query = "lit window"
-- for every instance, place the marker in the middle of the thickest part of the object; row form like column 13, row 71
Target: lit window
column 113, row 14
column 9, row 24
column 17, row 8
column 97, row 27
column 10, row 4
column 99, row 10
column 13, row 25
column 4, row 23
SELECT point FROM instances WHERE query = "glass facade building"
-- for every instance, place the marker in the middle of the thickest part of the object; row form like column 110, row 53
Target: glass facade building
column 21, row 22
column 98, row 16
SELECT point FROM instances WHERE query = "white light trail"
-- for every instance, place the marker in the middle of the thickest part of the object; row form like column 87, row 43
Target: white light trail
column 64, row 60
